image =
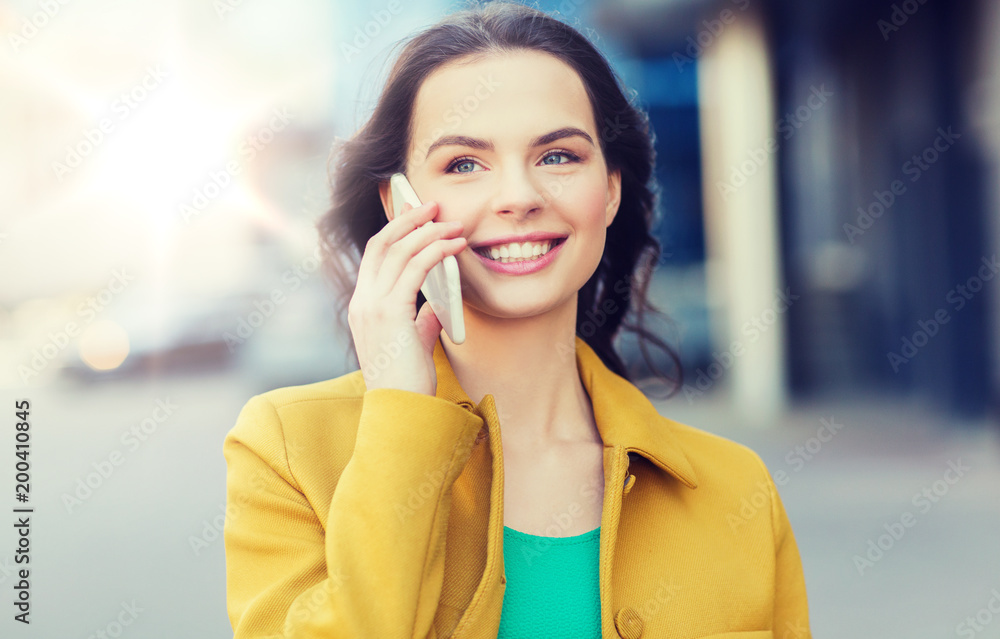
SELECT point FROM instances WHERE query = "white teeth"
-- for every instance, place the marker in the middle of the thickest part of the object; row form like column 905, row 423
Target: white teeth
column 519, row 252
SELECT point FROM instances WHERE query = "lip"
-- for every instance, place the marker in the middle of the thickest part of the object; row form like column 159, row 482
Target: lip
column 537, row 236
column 524, row 267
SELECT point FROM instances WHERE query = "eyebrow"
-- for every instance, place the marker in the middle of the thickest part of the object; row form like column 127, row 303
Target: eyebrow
column 487, row 145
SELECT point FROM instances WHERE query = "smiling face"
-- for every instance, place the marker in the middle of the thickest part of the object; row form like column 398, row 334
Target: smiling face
column 509, row 146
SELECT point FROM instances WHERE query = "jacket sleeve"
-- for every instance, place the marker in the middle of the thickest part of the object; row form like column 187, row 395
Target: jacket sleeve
column 377, row 568
column 791, row 610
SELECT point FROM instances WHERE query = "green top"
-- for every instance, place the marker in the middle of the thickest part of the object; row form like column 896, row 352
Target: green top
column 553, row 589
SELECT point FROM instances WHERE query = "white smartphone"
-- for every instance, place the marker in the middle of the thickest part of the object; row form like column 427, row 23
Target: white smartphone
column 442, row 287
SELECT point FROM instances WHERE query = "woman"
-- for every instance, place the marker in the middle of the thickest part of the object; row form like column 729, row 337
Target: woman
column 517, row 484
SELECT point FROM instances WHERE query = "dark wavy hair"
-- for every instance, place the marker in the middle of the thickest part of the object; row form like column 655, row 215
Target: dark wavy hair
column 378, row 149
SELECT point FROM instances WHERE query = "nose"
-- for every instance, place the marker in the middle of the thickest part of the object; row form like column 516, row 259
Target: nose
column 517, row 194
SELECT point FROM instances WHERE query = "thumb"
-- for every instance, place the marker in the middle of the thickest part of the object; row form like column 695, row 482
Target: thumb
column 428, row 327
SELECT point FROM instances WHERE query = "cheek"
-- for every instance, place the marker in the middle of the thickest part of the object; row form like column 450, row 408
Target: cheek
column 587, row 202
column 458, row 207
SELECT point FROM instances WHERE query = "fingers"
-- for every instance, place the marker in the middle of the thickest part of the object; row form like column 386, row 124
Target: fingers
column 409, row 259
column 378, row 244
column 399, row 257
column 408, row 282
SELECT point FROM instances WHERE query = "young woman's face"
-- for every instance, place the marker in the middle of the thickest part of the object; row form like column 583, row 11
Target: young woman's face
column 514, row 149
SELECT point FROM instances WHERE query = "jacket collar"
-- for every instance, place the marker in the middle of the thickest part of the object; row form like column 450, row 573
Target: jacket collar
column 624, row 415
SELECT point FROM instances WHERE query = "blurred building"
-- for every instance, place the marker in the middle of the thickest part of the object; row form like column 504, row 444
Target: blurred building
column 850, row 155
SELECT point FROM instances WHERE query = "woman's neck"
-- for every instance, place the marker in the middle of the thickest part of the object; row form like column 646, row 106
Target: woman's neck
column 529, row 366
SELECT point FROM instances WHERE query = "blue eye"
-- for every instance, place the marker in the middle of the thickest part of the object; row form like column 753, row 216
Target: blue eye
column 457, row 162
column 572, row 157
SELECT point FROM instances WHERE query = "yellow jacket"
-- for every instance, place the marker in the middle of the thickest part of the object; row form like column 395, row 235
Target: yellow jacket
column 379, row 514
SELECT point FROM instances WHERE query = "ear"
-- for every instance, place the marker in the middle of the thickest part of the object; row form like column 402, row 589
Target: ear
column 614, row 196
column 385, row 193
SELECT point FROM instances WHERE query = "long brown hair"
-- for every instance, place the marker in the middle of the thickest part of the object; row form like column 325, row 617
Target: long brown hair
column 378, row 149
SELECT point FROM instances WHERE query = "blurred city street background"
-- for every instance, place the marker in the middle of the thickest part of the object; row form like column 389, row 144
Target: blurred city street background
column 829, row 216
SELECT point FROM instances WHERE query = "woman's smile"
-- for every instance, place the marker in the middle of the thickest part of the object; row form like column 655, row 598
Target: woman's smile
column 507, row 264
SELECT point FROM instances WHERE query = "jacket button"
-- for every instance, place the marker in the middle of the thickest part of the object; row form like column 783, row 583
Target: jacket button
column 629, row 482
column 628, row 623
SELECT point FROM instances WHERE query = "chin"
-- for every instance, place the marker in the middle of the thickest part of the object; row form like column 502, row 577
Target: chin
column 523, row 310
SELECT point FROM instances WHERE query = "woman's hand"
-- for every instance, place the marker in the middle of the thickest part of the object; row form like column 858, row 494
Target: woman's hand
column 395, row 344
